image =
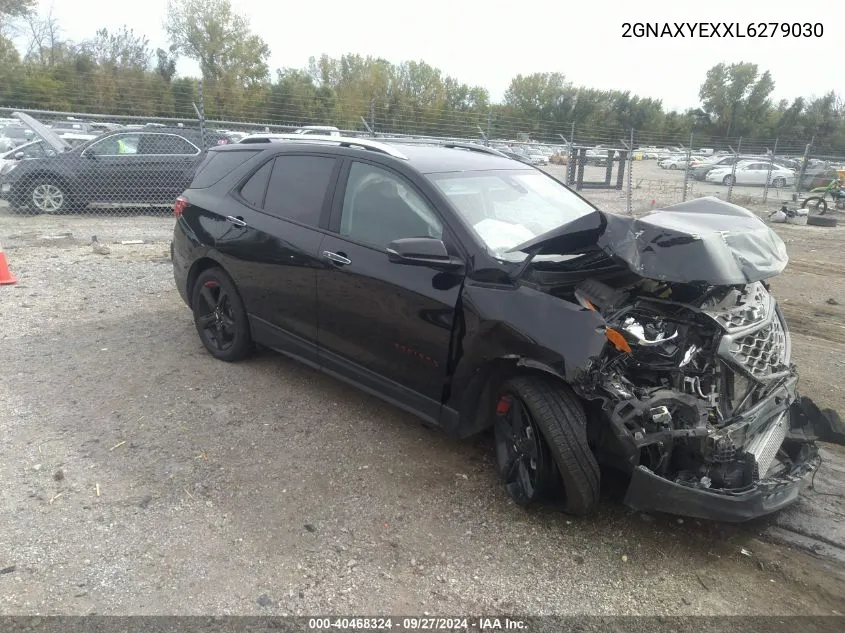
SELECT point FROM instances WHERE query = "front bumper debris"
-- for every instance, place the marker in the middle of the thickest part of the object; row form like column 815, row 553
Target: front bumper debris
column 650, row 492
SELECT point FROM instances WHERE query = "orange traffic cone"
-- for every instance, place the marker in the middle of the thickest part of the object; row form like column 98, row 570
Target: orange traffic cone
column 6, row 277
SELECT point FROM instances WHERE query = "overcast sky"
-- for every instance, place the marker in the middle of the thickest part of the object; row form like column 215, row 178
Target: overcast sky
column 486, row 42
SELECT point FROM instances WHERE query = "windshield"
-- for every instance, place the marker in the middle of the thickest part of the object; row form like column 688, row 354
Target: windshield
column 506, row 208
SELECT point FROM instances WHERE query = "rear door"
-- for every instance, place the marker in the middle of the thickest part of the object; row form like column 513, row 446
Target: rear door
column 272, row 247
column 387, row 326
column 165, row 162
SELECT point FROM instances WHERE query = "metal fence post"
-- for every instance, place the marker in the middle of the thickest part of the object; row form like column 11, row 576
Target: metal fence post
column 686, row 169
column 733, row 167
column 373, row 117
column 803, row 169
column 629, row 192
column 769, row 173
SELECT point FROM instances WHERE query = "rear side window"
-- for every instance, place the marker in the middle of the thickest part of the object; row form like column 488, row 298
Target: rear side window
column 298, row 187
column 254, row 188
column 218, row 164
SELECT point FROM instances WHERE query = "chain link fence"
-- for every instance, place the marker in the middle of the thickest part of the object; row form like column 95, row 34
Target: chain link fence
column 63, row 162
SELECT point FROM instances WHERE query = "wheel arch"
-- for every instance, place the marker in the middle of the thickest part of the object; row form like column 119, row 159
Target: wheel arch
column 197, row 268
column 30, row 180
column 477, row 404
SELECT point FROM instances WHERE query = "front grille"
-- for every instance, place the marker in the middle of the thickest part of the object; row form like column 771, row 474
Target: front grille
column 763, row 352
column 741, row 308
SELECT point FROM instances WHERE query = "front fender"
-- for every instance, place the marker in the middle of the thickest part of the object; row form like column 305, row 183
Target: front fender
column 520, row 327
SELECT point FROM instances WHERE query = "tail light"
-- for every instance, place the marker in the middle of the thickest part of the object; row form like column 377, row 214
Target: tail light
column 179, row 205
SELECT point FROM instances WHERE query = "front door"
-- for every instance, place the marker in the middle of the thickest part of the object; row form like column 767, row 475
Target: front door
column 112, row 170
column 387, row 326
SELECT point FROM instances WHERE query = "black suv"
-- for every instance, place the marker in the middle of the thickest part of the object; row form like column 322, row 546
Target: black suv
column 146, row 165
column 478, row 292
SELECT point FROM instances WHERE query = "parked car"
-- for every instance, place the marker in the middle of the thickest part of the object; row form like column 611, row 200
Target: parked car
column 321, row 130
column 13, row 135
column 596, row 156
column 143, row 166
column 674, row 162
column 789, row 163
column 482, row 294
column 522, row 158
column 536, row 157
column 700, row 171
column 752, row 173
column 33, row 149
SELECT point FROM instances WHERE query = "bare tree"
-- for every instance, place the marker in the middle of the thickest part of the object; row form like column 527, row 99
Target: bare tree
column 44, row 45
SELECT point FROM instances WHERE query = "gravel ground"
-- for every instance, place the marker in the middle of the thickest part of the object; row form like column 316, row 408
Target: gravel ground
column 143, row 477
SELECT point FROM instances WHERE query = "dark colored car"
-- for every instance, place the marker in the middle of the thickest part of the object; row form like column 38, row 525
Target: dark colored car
column 479, row 293
column 145, row 166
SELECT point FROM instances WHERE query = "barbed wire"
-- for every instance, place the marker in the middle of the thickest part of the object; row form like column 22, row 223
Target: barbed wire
column 293, row 110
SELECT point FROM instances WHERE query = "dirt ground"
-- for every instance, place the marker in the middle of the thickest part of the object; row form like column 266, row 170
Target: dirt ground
column 140, row 476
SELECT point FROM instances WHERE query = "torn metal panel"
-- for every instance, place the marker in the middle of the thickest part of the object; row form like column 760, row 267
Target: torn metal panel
column 704, row 240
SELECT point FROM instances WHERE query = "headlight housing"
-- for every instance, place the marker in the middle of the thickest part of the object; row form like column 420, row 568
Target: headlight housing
column 5, row 169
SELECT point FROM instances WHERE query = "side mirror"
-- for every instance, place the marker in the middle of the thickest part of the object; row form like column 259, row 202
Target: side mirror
column 19, row 156
column 422, row 251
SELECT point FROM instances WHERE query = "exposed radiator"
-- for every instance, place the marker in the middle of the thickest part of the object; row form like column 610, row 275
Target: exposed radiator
column 765, row 446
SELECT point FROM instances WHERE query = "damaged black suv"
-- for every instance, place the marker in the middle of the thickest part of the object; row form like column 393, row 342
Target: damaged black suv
column 478, row 292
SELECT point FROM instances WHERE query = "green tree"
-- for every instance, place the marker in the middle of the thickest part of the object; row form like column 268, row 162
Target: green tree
column 165, row 65
column 10, row 10
column 121, row 50
column 736, row 98
column 210, row 32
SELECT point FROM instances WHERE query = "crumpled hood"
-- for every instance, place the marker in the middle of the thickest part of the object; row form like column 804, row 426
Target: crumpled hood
column 702, row 240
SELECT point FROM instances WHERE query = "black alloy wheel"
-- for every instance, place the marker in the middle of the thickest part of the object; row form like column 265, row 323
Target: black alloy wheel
column 220, row 317
column 525, row 465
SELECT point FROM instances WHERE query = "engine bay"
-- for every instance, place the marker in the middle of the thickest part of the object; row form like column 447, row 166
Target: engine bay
column 696, row 380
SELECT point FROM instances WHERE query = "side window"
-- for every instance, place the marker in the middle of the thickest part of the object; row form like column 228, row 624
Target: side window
column 217, row 164
column 165, row 144
column 298, row 186
column 254, row 188
column 114, row 145
column 380, row 207
column 36, row 150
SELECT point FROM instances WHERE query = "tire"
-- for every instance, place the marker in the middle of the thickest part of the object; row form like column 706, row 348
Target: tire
column 728, row 181
column 821, row 220
column 815, row 204
column 564, row 465
column 673, row 166
column 220, row 316
column 779, row 182
column 48, row 195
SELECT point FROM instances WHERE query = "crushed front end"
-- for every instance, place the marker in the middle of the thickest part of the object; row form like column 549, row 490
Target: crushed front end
column 697, row 387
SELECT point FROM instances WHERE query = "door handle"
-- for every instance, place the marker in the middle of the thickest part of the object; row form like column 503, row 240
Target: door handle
column 236, row 221
column 337, row 258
